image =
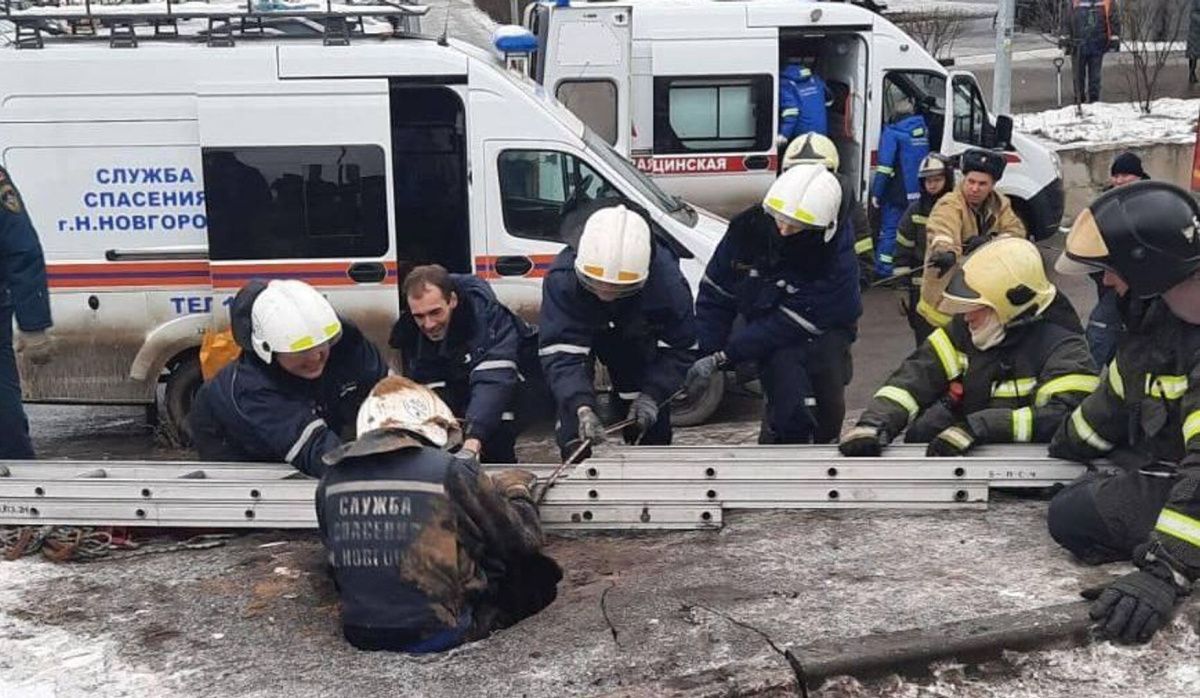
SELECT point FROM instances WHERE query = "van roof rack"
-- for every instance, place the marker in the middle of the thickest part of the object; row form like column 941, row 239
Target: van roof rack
column 127, row 22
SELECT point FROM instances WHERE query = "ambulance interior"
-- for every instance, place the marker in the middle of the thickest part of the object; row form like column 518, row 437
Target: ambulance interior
column 841, row 60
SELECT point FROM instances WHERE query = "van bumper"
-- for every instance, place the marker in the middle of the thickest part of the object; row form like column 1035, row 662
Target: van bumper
column 1046, row 210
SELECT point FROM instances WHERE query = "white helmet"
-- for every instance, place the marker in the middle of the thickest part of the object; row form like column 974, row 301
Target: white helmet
column 811, row 149
column 397, row 403
column 613, row 257
column 806, row 197
column 290, row 316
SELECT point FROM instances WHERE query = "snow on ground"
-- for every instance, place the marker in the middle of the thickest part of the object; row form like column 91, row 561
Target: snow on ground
column 1170, row 120
column 40, row 661
column 909, row 7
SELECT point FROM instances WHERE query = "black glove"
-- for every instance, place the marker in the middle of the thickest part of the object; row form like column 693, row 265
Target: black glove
column 943, row 261
column 975, row 242
column 952, row 441
column 644, row 412
column 864, row 441
column 590, row 426
column 699, row 376
column 1134, row 607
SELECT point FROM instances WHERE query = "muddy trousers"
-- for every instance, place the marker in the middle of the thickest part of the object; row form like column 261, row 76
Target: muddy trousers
column 805, row 387
column 1102, row 517
column 14, row 428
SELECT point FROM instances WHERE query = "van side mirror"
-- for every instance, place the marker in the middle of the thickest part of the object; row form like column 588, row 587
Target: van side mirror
column 1003, row 133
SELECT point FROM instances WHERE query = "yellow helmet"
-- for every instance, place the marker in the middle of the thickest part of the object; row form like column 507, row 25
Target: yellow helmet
column 809, row 149
column 1006, row 275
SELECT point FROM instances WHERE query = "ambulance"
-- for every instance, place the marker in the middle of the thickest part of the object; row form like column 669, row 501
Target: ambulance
column 163, row 172
column 689, row 89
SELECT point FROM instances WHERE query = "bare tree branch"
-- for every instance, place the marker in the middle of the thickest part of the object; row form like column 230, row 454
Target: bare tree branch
column 1149, row 28
column 937, row 31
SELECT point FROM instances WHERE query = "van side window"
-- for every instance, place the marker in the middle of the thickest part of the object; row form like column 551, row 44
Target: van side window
column 594, row 102
column 713, row 114
column 927, row 92
column 296, row 202
column 536, row 185
column 970, row 114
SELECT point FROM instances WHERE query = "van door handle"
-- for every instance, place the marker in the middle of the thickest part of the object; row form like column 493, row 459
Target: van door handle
column 513, row 266
column 367, row 272
column 756, row 162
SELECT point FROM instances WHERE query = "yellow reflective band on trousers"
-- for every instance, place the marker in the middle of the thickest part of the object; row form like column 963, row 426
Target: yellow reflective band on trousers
column 946, row 353
column 1017, row 387
column 1022, row 425
column 1178, row 526
column 935, row 317
column 1191, row 426
column 1115, row 380
column 1072, row 382
column 901, row 397
column 1087, row 433
column 1168, row 387
column 864, row 245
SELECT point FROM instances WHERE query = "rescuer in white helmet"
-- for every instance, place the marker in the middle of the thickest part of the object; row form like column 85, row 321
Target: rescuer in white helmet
column 815, row 149
column 618, row 296
column 297, row 385
column 427, row 550
column 787, row 269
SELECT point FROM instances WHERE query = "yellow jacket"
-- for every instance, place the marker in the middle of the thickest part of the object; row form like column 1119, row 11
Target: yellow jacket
column 951, row 223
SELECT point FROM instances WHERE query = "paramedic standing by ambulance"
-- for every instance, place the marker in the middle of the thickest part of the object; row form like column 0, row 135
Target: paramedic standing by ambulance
column 802, row 103
column 23, row 293
column 617, row 296
column 902, row 146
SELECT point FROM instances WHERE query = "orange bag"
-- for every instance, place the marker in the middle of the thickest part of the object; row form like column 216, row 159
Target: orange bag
column 217, row 349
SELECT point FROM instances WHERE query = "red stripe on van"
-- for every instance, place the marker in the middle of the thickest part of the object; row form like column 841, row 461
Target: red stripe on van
column 704, row 164
column 236, row 274
column 127, row 274
column 485, row 266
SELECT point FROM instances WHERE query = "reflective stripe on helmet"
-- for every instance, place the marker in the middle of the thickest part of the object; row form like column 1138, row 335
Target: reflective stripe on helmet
column 901, row 397
column 1072, row 382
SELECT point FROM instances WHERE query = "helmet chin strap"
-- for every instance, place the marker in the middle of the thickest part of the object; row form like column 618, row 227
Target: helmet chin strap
column 990, row 335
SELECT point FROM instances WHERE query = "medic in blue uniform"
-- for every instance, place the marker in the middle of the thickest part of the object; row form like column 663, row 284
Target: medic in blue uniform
column 903, row 144
column 802, row 102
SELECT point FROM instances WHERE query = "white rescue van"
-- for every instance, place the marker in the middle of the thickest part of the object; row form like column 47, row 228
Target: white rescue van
column 164, row 176
column 689, row 89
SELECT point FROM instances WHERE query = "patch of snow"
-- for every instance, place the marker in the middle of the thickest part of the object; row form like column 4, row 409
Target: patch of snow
column 1170, row 120
column 912, row 7
column 39, row 660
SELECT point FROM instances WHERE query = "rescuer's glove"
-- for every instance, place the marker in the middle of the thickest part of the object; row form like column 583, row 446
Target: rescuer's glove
column 699, row 376
column 1134, row 607
column 644, row 412
column 864, row 440
column 590, row 427
column 37, row 347
column 943, row 261
column 952, row 441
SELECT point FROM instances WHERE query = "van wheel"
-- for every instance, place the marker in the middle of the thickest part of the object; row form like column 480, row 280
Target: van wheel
column 688, row 412
column 182, row 383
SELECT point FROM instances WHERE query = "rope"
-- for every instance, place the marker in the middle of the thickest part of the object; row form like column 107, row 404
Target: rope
column 85, row 544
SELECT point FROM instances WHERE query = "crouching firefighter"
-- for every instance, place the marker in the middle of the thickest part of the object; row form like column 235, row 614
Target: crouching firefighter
column 617, row 296
column 1145, row 415
column 1009, row 368
column 297, row 385
column 427, row 550
column 460, row 341
column 788, row 273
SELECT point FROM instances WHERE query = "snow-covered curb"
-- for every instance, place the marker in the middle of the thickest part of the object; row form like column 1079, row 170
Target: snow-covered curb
column 898, row 9
column 1170, row 120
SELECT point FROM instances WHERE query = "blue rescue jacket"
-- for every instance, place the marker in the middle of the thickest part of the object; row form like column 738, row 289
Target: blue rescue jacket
column 787, row 290
column 22, row 266
column 656, row 328
column 902, row 146
column 487, row 351
column 802, row 102
column 253, row 411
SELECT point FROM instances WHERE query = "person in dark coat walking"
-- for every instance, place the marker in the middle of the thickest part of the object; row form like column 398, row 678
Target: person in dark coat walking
column 1091, row 28
column 1193, row 41
column 23, row 293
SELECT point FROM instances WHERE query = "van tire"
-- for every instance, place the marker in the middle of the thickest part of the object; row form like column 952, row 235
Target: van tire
column 182, row 383
column 686, row 412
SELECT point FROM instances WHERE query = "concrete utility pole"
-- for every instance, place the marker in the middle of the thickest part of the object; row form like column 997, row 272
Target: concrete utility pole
column 1006, row 14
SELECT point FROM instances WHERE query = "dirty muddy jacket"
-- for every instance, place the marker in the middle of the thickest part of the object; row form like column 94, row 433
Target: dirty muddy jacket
column 417, row 537
column 1018, row 391
column 252, row 411
column 475, row 369
column 22, row 266
column 951, row 223
column 1148, row 406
